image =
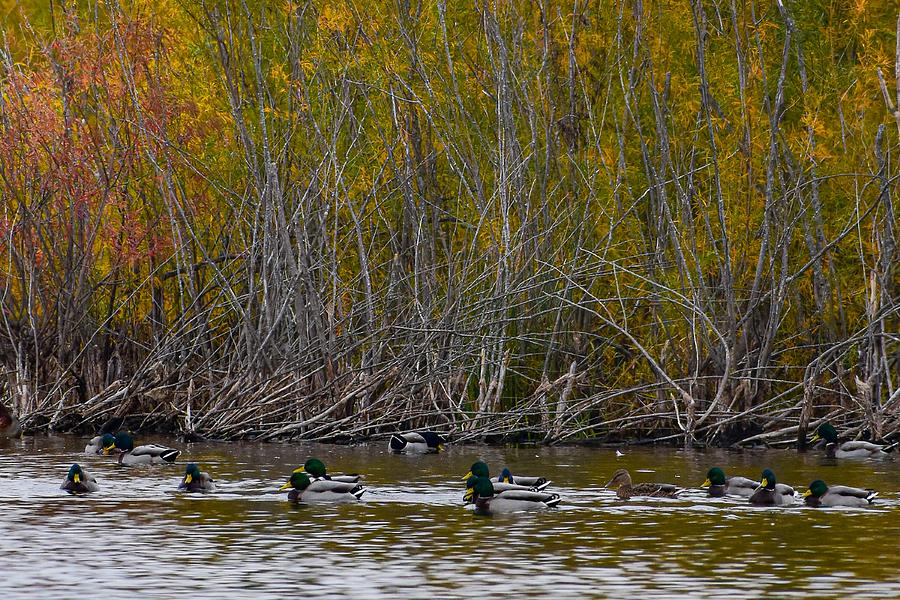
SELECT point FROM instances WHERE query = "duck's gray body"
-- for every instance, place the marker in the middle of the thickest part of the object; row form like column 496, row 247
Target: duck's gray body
column 842, row 495
column 538, row 483
column 516, row 501
column 148, row 454
column 782, row 495
column 426, row 442
column 339, row 478
column 744, row 487
column 858, row 449
column 535, row 482
column 512, row 487
column 324, row 491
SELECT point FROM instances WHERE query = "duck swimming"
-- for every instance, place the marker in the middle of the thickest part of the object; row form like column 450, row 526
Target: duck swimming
column 535, row 482
column 196, row 481
column 487, row 502
column 147, row 454
column 768, row 493
column 820, row 494
column 853, row 449
column 625, row 489
column 78, row 481
column 303, row 489
column 417, row 442
column 315, row 468
column 480, row 469
column 719, row 485
column 506, row 480
column 99, row 442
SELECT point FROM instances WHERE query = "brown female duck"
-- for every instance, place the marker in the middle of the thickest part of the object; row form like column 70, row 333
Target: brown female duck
column 625, row 489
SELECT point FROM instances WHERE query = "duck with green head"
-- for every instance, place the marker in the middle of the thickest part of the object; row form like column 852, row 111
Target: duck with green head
column 719, row 485
column 99, row 442
column 480, row 469
column 625, row 489
column 303, row 489
column 78, row 481
column 854, row 449
column 538, row 483
column 487, row 501
column 196, row 481
column 820, row 494
column 770, row 494
column 147, row 454
column 316, row 470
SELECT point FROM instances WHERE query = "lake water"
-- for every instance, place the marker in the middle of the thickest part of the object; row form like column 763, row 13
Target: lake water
column 411, row 537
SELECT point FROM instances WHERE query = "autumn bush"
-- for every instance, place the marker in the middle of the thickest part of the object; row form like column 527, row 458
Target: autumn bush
column 553, row 220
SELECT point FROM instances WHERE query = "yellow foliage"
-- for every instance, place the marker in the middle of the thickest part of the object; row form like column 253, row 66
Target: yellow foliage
column 335, row 17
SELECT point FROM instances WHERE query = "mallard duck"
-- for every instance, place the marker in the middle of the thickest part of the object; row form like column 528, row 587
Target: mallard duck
column 499, row 488
column 196, row 481
column 535, row 482
column 303, row 489
column 488, row 502
column 9, row 424
column 480, row 469
column 148, row 454
column 417, row 442
column 315, row 468
column 626, row 489
column 769, row 494
column 99, row 442
column 820, row 494
column 719, row 485
column 78, row 481
column 835, row 449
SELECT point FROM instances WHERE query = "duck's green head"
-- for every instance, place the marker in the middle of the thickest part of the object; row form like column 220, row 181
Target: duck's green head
column 191, row 472
column 299, row 481
column 314, row 467
column 75, row 473
column 124, row 441
column 714, row 476
column 505, row 476
column 825, row 431
column 768, row 480
column 816, row 489
column 107, row 442
column 479, row 469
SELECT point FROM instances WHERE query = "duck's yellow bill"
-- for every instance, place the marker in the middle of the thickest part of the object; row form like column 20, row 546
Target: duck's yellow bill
column 467, row 497
column 299, row 470
column 188, row 478
column 467, row 475
column 764, row 482
column 440, row 447
column 505, row 480
column 285, row 486
column 816, row 437
column 108, row 449
column 706, row 483
column 807, row 493
column 77, row 478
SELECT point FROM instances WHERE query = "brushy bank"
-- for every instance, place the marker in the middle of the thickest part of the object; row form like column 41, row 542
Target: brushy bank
column 573, row 219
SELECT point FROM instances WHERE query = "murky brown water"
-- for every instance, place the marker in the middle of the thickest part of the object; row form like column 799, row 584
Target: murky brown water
column 411, row 537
